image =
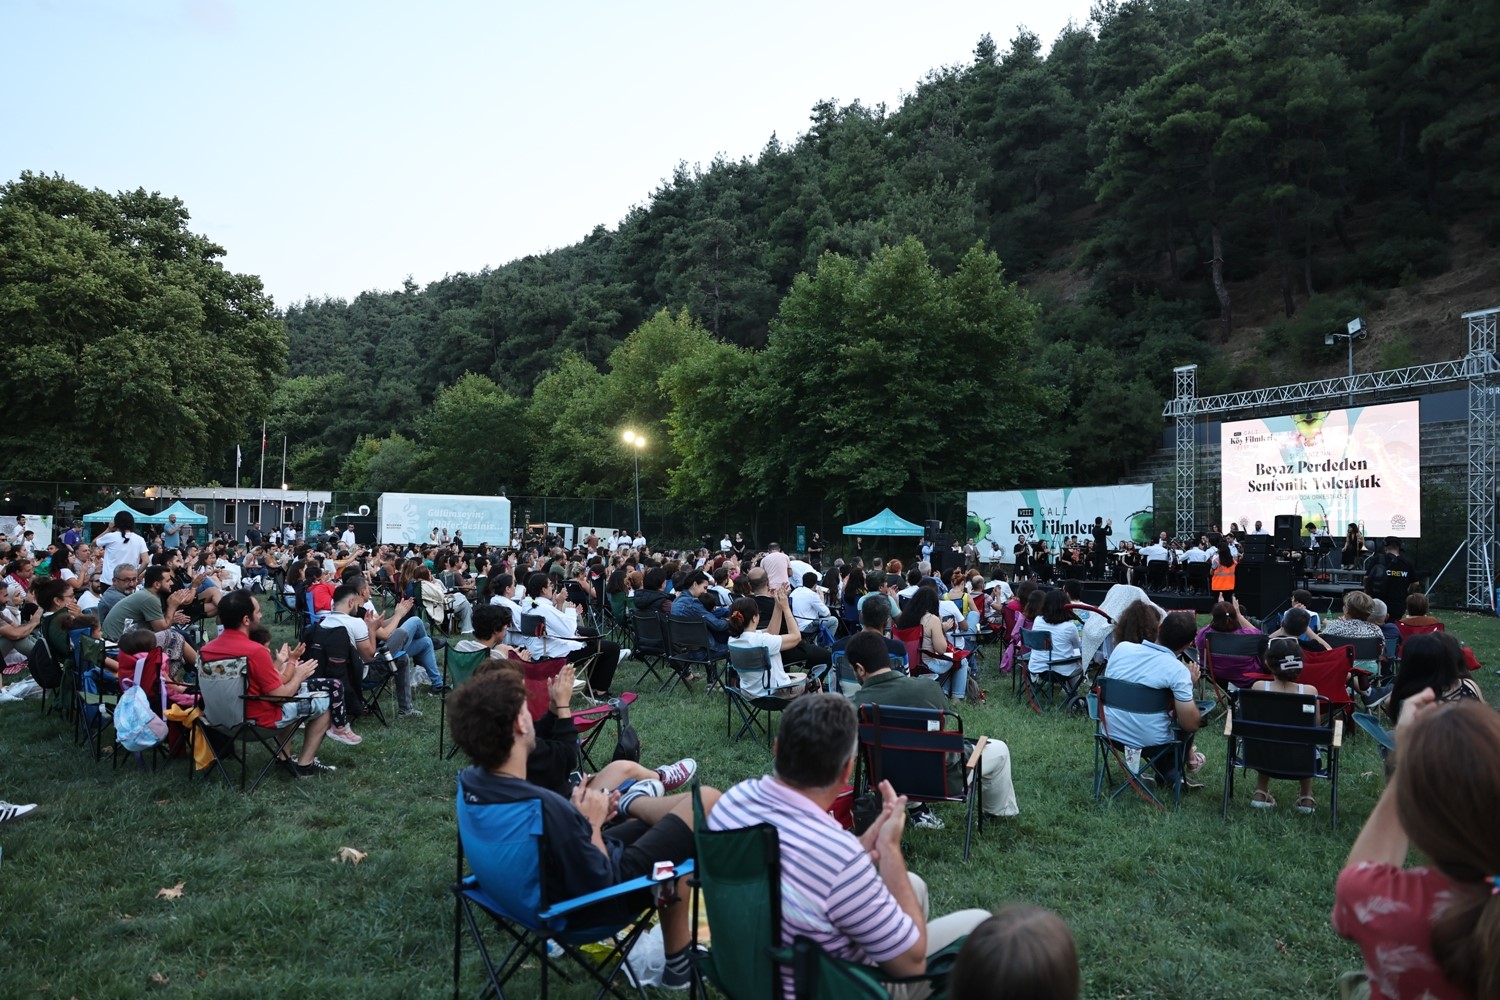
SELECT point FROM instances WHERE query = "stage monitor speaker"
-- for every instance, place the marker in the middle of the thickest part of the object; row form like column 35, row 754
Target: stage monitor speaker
column 1288, row 531
column 948, row 559
column 1256, row 548
column 1263, row 587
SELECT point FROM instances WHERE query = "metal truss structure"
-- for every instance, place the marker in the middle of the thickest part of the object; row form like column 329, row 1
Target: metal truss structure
column 1479, row 368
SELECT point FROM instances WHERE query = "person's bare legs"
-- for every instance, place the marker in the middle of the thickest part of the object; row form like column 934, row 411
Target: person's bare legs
column 617, row 772
column 676, row 923
column 312, row 738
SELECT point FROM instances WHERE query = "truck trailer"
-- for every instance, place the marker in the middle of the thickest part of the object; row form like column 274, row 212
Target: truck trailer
column 404, row 518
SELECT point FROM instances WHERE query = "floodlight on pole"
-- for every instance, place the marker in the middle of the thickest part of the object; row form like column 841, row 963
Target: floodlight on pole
column 636, row 442
column 1354, row 330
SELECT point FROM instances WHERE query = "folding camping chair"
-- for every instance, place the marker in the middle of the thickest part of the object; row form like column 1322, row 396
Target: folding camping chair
column 1328, row 671
column 502, row 843
column 752, row 707
column 690, row 646
column 535, row 627
column 1039, row 641
column 457, row 668
column 737, row 885
column 650, row 647
column 1274, row 733
column 1166, row 760
column 917, row 654
column 1371, row 724
column 1231, row 644
column 96, row 695
column 922, row 753
column 223, row 687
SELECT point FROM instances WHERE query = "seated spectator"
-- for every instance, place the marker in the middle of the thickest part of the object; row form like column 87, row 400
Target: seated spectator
column 1283, row 660
column 689, row 604
column 1431, row 930
column 565, row 637
column 122, row 584
column 582, row 854
column 1303, row 599
column 853, row 895
column 1154, row 663
column 816, row 659
column 1237, row 671
column 1355, row 624
column 880, row 685
column 745, row 633
column 491, row 623
column 156, row 606
column 1432, row 661
column 875, row 618
column 1416, row 612
column 283, row 678
column 809, row 611
column 937, row 652
column 652, row 592
column 319, row 588
column 1297, row 624
column 1021, row 951
column 554, row 761
column 1058, row 621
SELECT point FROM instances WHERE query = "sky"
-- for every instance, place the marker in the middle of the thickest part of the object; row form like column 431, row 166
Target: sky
column 334, row 147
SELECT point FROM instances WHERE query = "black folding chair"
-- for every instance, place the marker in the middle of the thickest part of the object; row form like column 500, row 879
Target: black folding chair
column 1274, row 732
column 650, row 647
column 922, row 753
column 690, row 646
column 1165, row 760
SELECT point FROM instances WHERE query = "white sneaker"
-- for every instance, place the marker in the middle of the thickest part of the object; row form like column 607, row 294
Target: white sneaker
column 9, row 811
column 625, row 654
column 636, row 789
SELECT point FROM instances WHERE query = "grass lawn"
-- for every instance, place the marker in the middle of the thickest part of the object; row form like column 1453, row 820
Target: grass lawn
column 1163, row 905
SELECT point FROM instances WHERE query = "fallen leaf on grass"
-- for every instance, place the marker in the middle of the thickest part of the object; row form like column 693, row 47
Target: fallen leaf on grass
column 126, row 916
column 350, row 855
column 163, row 802
column 156, row 978
column 1280, row 945
column 173, row 893
column 1367, row 774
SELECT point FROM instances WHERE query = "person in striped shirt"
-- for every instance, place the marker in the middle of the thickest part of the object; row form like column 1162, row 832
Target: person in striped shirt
column 852, row 895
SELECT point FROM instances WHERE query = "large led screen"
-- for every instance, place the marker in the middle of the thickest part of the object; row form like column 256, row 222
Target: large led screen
column 1334, row 467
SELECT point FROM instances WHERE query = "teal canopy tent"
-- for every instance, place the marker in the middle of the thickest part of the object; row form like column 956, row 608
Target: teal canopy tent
column 185, row 515
column 887, row 522
column 108, row 514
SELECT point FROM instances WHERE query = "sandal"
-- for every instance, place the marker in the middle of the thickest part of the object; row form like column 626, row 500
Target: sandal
column 1196, row 762
column 1262, row 800
column 1306, row 804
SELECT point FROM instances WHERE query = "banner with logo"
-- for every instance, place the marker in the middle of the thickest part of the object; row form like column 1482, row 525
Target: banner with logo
column 999, row 516
column 1360, row 465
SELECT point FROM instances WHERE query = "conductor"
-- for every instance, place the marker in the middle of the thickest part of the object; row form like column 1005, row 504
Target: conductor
column 1102, row 530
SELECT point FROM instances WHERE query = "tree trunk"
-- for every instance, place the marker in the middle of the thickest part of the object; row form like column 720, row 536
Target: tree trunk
column 1220, row 289
column 1284, row 253
column 1342, row 233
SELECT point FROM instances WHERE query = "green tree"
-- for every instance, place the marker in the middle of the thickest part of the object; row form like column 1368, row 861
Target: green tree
column 474, row 438
column 132, row 353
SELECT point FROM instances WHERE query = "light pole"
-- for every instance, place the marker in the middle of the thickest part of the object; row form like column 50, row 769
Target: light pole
column 636, row 442
column 1356, row 330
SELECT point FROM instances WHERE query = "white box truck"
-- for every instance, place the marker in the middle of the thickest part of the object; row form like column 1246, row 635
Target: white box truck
column 410, row 517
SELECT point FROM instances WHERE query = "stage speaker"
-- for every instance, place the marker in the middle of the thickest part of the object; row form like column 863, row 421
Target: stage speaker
column 1255, row 548
column 1263, row 587
column 1288, row 531
column 933, row 528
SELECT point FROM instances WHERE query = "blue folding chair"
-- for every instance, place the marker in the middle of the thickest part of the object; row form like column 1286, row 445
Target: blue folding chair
column 502, row 843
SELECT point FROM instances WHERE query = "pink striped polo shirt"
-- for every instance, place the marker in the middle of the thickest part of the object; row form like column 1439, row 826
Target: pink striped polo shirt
column 830, row 891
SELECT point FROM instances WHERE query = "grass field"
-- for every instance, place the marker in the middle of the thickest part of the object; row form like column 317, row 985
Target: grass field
column 1163, row 905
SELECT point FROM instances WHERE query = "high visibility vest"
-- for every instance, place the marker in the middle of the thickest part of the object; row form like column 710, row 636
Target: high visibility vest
column 1222, row 578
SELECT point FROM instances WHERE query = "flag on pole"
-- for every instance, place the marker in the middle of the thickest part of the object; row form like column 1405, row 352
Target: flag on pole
column 237, row 457
column 263, row 436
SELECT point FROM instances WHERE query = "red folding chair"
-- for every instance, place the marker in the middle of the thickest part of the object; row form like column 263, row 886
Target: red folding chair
column 916, row 665
column 1328, row 671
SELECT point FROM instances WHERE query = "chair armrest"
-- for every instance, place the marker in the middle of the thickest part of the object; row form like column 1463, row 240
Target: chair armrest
column 977, row 754
column 1228, row 723
column 1338, row 733
column 579, row 902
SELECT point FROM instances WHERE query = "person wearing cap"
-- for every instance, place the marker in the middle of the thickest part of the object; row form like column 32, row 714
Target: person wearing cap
column 1388, row 575
column 1283, row 659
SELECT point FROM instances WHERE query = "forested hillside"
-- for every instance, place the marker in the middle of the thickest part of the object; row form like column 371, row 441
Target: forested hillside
column 1159, row 175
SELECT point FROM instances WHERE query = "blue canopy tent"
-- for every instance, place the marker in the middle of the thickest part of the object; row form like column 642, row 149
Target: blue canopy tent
column 887, row 522
column 185, row 515
column 107, row 515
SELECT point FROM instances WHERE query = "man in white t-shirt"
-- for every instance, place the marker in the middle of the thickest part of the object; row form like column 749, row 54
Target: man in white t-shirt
column 809, row 609
column 725, row 545
column 347, row 538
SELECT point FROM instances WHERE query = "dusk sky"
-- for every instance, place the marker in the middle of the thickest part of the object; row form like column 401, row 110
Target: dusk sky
column 337, row 147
